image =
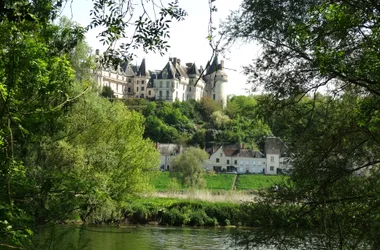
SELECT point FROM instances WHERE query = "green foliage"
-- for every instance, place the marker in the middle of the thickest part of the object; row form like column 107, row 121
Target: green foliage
column 182, row 212
column 188, row 167
column 62, row 147
column 334, row 138
column 107, row 92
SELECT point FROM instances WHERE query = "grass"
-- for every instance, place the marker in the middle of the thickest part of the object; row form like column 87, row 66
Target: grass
column 219, row 181
column 255, row 182
column 161, row 181
column 215, row 182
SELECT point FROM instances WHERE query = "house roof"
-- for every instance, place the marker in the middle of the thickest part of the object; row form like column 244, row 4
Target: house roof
column 169, row 149
column 168, row 72
column 235, row 151
column 193, row 70
column 142, row 71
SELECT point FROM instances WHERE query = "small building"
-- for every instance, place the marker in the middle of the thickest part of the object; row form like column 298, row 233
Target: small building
column 167, row 152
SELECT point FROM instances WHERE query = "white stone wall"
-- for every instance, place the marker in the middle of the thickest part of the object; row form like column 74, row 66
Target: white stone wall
column 273, row 162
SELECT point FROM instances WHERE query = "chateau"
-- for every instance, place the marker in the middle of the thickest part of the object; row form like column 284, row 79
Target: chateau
column 174, row 82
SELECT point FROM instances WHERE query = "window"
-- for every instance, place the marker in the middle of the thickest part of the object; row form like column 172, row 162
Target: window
column 176, row 94
column 190, row 89
column 137, row 82
column 172, row 84
column 253, row 163
column 137, row 88
column 228, row 161
column 160, row 84
column 167, row 94
column 149, row 92
column 217, row 160
column 221, row 154
column 271, row 168
column 167, row 84
column 142, row 96
column 235, row 162
column 142, row 82
column 272, row 159
column 129, row 80
column 213, row 96
column 142, row 88
column 160, row 94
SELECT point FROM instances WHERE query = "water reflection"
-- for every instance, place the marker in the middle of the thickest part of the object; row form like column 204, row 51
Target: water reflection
column 139, row 238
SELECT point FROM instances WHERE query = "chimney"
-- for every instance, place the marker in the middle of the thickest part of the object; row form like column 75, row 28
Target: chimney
column 201, row 68
column 189, row 65
column 179, row 61
column 222, row 64
column 97, row 52
column 174, row 60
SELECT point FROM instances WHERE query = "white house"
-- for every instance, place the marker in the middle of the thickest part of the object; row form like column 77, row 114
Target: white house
column 232, row 158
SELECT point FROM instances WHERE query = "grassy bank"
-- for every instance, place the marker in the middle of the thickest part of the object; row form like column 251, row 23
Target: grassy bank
column 161, row 181
column 256, row 181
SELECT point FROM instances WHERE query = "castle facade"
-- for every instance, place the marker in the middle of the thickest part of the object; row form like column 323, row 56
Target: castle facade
column 174, row 82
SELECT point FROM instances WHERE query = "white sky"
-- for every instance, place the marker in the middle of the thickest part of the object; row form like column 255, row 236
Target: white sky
column 188, row 39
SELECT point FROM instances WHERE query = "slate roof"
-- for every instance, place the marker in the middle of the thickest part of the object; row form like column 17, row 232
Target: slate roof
column 142, row 71
column 170, row 70
column 215, row 66
column 193, row 70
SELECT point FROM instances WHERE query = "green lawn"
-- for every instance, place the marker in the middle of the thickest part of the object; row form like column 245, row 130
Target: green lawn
column 220, row 181
column 257, row 181
column 161, row 181
column 224, row 181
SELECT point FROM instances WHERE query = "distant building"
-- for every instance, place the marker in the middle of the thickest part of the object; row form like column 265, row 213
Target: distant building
column 184, row 82
column 231, row 158
column 167, row 152
column 174, row 82
column 235, row 158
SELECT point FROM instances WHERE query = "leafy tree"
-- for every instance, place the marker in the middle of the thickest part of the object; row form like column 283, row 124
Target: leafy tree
column 307, row 45
column 188, row 167
column 61, row 147
column 107, row 92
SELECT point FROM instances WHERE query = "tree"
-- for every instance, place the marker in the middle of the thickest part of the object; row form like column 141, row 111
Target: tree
column 107, row 92
column 307, row 45
column 188, row 167
column 61, row 149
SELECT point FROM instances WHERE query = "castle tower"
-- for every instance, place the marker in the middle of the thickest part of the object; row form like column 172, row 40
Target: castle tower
column 216, row 79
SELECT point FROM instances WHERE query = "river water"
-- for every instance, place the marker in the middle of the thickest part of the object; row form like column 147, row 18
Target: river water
column 133, row 238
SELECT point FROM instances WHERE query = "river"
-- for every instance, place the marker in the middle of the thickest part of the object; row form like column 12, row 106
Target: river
column 133, row 238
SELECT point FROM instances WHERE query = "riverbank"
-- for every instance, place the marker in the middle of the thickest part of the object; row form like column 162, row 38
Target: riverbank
column 232, row 196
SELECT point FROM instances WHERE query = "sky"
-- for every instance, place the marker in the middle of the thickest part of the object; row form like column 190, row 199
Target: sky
column 188, row 39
